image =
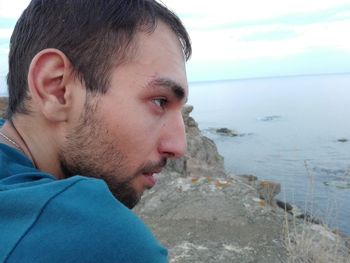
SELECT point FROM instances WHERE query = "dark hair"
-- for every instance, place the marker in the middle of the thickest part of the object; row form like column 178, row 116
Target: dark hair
column 94, row 34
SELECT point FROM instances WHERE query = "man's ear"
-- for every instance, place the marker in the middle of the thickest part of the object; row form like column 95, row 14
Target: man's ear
column 49, row 73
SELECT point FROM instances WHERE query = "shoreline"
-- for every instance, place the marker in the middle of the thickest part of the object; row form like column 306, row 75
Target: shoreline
column 203, row 214
column 302, row 209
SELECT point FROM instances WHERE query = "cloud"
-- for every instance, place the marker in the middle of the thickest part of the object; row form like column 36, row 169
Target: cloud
column 5, row 33
column 208, row 15
column 227, row 32
column 314, row 61
column 7, row 22
column 12, row 9
column 273, row 35
column 276, row 36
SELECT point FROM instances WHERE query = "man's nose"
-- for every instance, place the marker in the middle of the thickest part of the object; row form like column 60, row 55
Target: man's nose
column 173, row 143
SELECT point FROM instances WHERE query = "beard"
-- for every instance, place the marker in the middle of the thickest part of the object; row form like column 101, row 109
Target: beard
column 90, row 151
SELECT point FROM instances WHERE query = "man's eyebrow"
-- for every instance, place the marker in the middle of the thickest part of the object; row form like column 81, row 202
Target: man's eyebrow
column 176, row 88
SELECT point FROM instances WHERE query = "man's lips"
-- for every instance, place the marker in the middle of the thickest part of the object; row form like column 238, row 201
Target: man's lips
column 150, row 179
column 154, row 170
column 149, row 171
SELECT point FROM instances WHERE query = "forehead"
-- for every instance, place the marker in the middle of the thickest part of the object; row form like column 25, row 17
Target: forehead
column 159, row 54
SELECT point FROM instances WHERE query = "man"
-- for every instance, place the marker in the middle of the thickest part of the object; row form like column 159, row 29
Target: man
column 96, row 89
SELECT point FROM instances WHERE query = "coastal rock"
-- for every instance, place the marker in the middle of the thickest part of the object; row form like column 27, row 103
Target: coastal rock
column 342, row 140
column 202, row 157
column 284, row 205
column 249, row 178
column 202, row 214
column 316, row 243
column 212, row 219
column 338, row 184
column 268, row 190
column 309, row 218
column 269, row 118
column 226, row 132
column 3, row 106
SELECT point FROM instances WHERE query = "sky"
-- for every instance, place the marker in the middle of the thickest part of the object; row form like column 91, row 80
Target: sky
column 246, row 39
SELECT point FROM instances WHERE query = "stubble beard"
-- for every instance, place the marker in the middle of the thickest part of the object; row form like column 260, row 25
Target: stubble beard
column 90, row 152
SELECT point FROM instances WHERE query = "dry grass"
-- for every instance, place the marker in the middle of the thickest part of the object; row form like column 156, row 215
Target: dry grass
column 310, row 243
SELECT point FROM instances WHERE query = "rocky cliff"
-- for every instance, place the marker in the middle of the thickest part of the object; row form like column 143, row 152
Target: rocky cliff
column 3, row 105
column 202, row 214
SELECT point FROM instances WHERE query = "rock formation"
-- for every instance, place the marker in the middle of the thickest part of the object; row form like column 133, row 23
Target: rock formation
column 202, row 157
column 226, row 132
column 202, row 214
column 3, row 106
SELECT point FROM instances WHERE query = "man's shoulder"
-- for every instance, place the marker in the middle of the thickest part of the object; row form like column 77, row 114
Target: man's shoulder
column 85, row 222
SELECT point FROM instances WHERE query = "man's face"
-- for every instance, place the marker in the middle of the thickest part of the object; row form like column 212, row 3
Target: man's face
column 126, row 135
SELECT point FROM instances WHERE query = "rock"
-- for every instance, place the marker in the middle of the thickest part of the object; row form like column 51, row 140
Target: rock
column 3, row 106
column 226, row 132
column 285, row 206
column 202, row 157
column 342, row 140
column 269, row 118
column 316, row 243
column 310, row 218
column 201, row 214
column 211, row 219
column 248, row 177
column 338, row 184
column 268, row 190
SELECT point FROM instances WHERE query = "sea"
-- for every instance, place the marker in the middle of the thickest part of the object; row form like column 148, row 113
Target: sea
column 292, row 130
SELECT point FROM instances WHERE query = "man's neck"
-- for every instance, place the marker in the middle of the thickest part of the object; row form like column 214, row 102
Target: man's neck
column 36, row 143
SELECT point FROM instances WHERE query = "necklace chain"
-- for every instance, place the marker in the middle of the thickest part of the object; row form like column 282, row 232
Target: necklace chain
column 29, row 154
column 11, row 141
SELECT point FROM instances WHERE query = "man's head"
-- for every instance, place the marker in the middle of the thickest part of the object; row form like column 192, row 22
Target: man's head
column 95, row 35
column 105, row 82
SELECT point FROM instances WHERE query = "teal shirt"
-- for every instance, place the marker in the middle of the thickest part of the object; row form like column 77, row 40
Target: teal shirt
column 43, row 219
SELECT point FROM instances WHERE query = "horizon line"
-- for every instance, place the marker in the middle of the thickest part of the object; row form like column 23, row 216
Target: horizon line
column 270, row 77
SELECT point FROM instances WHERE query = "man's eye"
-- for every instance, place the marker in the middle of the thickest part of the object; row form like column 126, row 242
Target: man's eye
column 160, row 102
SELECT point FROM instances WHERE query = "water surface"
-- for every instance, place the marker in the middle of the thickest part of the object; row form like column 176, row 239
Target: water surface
column 291, row 128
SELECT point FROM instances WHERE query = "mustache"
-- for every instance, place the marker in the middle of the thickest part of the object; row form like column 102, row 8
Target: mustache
column 154, row 167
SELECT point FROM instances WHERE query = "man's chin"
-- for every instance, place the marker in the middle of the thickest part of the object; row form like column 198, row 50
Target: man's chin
column 127, row 197
column 130, row 202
